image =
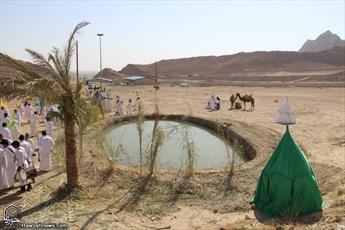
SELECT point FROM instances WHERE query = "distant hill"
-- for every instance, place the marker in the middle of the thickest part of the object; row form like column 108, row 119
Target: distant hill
column 7, row 70
column 324, row 41
column 110, row 74
column 243, row 64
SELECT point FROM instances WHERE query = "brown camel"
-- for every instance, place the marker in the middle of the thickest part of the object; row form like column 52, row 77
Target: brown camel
column 247, row 98
column 232, row 101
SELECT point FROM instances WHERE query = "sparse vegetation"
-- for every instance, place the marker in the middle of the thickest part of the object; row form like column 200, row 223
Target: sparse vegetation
column 140, row 129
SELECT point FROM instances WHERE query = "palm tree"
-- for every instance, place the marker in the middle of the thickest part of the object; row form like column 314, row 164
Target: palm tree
column 53, row 84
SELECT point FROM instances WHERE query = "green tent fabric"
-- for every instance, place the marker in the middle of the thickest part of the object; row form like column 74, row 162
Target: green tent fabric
column 287, row 184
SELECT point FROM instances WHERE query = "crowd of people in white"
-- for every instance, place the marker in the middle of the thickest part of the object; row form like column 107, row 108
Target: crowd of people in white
column 17, row 148
column 108, row 103
column 119, row 110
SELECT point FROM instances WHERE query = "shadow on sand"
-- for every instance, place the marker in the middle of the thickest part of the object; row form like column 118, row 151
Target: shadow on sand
column 38, row 207
column 130, row 201
column 308, row 219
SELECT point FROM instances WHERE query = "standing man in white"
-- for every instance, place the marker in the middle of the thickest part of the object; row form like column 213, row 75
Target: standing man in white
column 33, row 124
column 6, row 133
column 27, row 111
column 22, row 164
column 46, row 144
column 6, row 119
column 3, row 172
column 28, row 148
column 137, row 103
column 14, row 132
column 129, row 107
column 49, row 127
column 18, row 117
column 11, row 166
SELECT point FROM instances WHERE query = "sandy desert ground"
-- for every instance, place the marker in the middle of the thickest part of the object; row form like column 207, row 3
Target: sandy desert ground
column 320, row 130
column 320, row 113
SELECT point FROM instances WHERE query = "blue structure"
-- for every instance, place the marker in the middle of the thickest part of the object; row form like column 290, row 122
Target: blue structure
column 133, row 78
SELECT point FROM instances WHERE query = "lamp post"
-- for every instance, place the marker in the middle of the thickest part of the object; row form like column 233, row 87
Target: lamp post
column 100, row 55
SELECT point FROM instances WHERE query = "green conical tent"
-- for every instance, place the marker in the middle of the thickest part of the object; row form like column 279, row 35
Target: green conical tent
column 287, row 184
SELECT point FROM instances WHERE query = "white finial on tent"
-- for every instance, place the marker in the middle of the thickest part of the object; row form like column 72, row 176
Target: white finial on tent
column 285, row 115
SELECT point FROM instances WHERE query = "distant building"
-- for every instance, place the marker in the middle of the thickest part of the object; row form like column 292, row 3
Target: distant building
column 132, row 79
column 108, row 75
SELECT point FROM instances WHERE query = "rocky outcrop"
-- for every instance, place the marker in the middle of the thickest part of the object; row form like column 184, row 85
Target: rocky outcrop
column 324, row 41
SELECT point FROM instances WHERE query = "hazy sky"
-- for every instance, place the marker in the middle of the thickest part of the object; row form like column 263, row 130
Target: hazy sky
column 142, row 32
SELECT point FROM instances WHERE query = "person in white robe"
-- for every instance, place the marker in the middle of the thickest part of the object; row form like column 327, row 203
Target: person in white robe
column 6, row 133
column 14, row 131
column 28, row 139
column 33, row 124
column 3, row 110
column 121, row 108
column 129, row 107
column 212, row 104
column 18, row 117
column 6, row 119
column 27, row 112
column 11, row 166
column 49, row 127
column 21, row 111
column 137, row 103
column 46, row 144
column 28, row 149
column 3, row 172
column 22, row 163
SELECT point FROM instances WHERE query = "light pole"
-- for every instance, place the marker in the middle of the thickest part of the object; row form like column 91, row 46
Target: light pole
column 100, row 55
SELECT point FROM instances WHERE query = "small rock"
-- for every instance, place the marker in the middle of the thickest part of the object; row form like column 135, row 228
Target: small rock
column 155, row 218
column 215, row 211
column 247, row 217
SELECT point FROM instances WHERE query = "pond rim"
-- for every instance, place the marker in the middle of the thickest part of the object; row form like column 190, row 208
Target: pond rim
column 221, row 129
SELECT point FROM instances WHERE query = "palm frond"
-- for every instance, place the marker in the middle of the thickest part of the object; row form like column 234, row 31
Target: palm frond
column 69, row 50
column 57, row 60
column 40, row 60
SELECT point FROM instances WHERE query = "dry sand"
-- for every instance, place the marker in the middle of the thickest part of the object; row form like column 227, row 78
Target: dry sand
column 320, row 113
column 320, row 130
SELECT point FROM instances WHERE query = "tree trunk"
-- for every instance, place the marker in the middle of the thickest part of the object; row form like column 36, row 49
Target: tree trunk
column 71, row 151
